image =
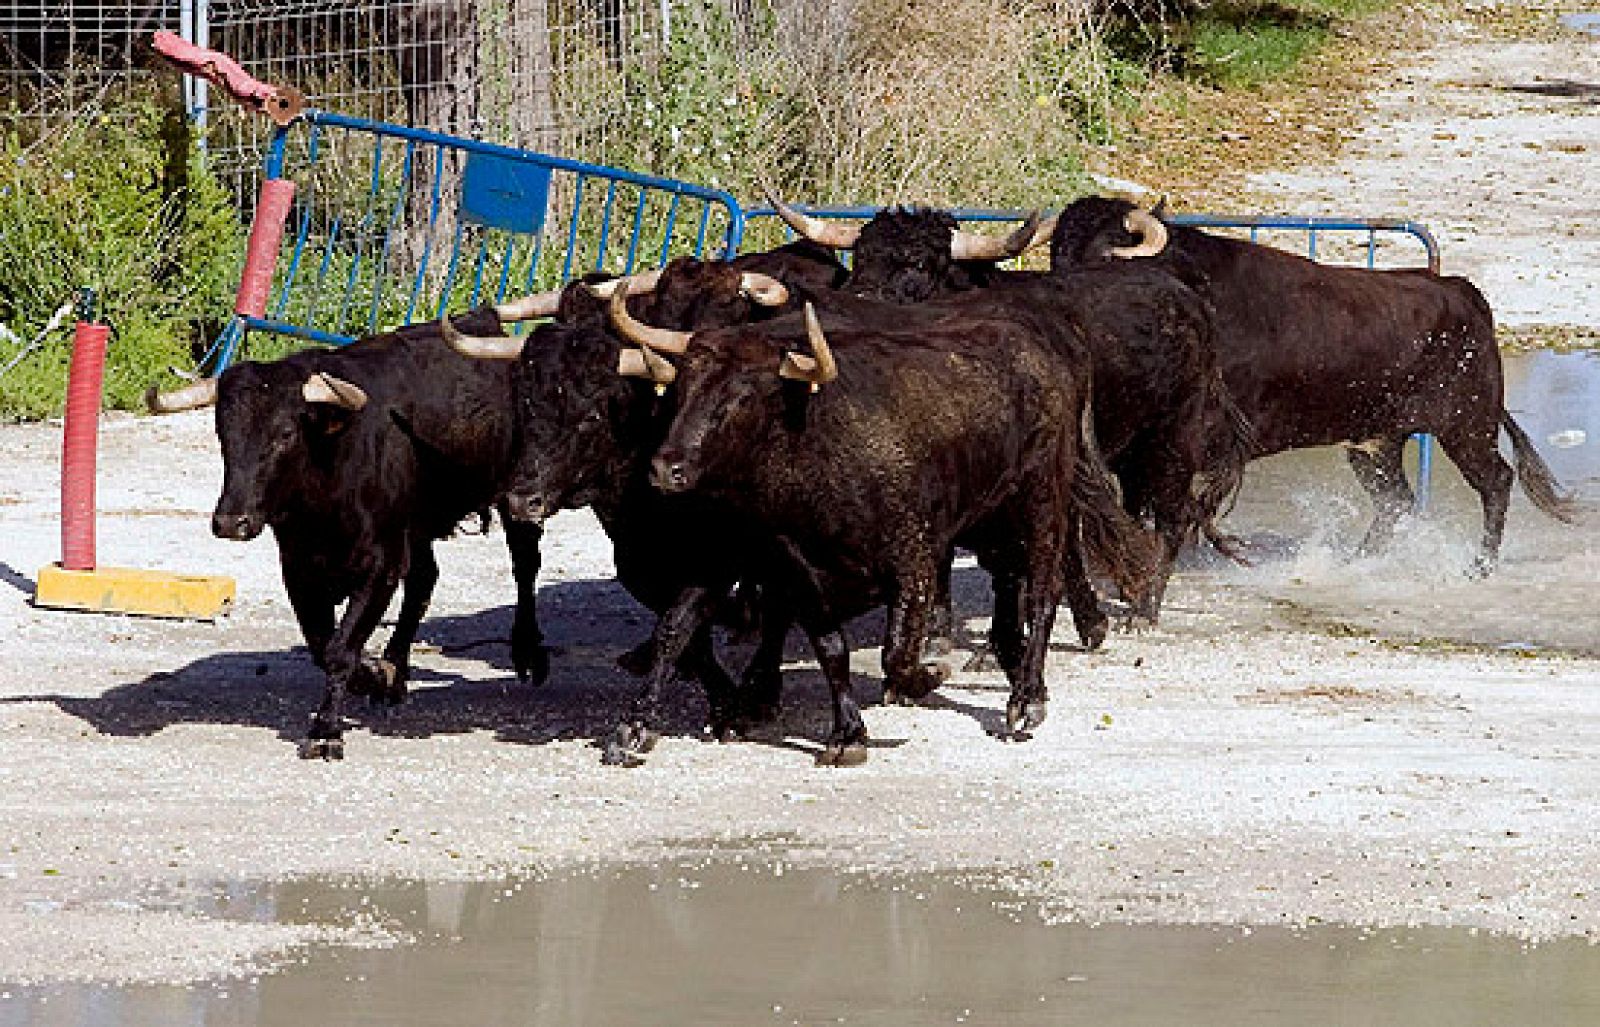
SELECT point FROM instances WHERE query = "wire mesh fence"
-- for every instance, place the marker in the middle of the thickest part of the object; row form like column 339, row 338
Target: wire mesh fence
column 538, row 74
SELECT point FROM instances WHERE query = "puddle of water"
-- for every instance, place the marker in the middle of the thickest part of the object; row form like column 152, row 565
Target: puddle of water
column 1305, row 515
column 1584, row 22
column 739, row 944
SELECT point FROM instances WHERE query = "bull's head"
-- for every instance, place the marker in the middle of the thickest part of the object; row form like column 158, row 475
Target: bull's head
column 275, row 422
column 695, row 294
column 728, row 397
column 909, row 254
column 1098, row 228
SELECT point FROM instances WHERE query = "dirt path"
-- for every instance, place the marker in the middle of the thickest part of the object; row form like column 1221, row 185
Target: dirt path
column 1305, row 741
column 1496, row 146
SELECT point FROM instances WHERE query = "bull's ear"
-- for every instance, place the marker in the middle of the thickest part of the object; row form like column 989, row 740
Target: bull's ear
column 325, row 388
column 1159, row 211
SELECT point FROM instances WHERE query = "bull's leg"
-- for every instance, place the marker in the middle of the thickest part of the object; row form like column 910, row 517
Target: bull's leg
column 1005, row 630
column 942, row 620
column 529, row 657
column 675, row 630
column 905, row 676
column 846, row 745
column 1084, row 602
column 385, row 680
column 761, row 687
column 342, row 660
column 1379, row 467
column 312, row 603
column 1474, row 452
column 1046, row 563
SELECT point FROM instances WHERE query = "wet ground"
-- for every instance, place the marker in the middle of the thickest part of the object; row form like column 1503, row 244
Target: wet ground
column 1315, row 739
column 744, row 943
column 1305, row 516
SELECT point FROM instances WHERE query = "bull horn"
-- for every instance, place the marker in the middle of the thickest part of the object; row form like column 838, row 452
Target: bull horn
column 643, row 281
column 480, row 347
column 646, row 363
column 1152, row 235
column 202, row 393
column 662, row 340
column 325, row 388
column 977, row 246
column 763, row 290
column 837, row 237
column 818, row 369
column 538, row 304
column 1045, row 231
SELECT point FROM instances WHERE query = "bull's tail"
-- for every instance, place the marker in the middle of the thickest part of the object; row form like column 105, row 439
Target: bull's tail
column 1537, row 481
column 1112, row 538
column 1230, row 448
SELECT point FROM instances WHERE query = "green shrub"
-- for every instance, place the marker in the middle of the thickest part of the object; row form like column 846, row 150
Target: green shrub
column 86, row 203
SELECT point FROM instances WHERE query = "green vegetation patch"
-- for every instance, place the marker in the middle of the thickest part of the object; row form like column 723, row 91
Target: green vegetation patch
column 120, row 204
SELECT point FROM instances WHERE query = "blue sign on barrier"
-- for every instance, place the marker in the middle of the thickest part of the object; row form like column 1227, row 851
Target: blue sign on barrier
column 508, row 194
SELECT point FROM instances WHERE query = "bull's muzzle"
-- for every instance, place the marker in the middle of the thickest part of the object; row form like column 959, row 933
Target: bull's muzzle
column 528, row 506
column 237, row 527
column 669, row 473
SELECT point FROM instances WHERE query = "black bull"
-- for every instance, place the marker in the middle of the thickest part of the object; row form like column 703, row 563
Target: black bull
column 873, row 466
column 1318, row 355
column 358, row 459
column 1165, row 422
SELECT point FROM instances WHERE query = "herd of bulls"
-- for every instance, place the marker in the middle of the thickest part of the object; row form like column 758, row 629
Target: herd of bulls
column 788, row 440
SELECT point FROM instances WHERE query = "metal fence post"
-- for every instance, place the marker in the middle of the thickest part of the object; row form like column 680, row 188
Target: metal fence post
column 194, row 25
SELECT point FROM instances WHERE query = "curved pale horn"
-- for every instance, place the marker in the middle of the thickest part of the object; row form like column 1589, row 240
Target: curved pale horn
column 1152, row 235
column 325, row 388
column 838, row 237
column 818, row 369
column 764, row 290
column 480, row 347
column 539, row 304
column 643, row 281
column 646, row 363
column 1042, row 234
column 661, row 340
column 977, row 246
column 202, row 393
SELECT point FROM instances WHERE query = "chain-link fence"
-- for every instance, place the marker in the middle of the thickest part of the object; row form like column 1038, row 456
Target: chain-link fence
column 541, row 74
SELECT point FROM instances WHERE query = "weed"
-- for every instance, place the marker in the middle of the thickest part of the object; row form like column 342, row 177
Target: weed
column 90, row 201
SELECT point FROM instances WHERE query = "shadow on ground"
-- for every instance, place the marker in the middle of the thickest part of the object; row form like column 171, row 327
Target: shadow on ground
column 588, row 624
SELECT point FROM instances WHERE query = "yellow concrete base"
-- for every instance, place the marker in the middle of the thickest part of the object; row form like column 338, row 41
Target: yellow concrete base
column 125, row 590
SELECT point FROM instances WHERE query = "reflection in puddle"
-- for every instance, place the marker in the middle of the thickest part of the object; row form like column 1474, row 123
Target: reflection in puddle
column 729, row 943
column 1584, row 22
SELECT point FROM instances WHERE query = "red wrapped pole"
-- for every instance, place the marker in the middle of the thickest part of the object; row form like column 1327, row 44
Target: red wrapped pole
column 84, row 381
column 261, row 256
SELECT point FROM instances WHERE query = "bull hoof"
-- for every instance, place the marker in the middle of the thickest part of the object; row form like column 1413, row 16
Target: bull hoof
column 1481, row 568
column 918, row 683
column 533, row 667
column 983, row 661
column 329, row 749
column 638, row 660
column 629, row 744
column 938, row 647
column 1023, row 718
column 1092, row 631
column 851, row 754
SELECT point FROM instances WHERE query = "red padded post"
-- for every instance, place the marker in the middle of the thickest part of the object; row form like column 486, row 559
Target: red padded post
column 261, row 258
column 82, row 433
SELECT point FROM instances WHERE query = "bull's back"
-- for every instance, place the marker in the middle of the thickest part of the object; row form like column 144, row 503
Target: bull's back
column 1317, row 355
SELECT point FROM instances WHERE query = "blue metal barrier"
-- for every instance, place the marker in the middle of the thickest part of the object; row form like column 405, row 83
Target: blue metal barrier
column 1312, row 227
column 393, row 224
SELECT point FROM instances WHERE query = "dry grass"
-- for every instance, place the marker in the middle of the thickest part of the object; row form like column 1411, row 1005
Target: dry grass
column 1198, row 143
